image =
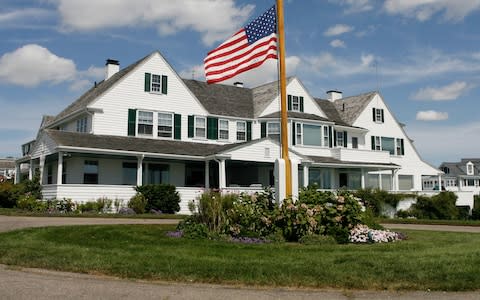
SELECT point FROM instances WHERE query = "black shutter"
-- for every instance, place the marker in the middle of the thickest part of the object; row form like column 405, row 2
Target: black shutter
column 301, row 104
column 190, row 126
column 345, row 140
column 177, row 124
column 289, row 102
column 403, row 149
column 147, row 81
column 263, row 129
column 294, row 136
column 330, row 137
column 374, row 110
column 373, row 142
column 249, row 130
column 383, row 119
column 212, row 128
column 334, row 138
column 132, row 120
column 164, row 84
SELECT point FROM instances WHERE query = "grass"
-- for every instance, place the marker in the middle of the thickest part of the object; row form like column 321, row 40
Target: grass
column 431, row 222
column 427, row 260
column 21, row 212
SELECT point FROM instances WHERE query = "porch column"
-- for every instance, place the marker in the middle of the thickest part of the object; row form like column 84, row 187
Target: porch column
column 362, row 178
column 439, row 182
column 30, row 170
column 222, row 178
column 305, row 175
column 60, row 168
column 380, row 184
column 140, row 170
column 18, row 174
column 42, row 166
column 207, row 174
column 395, row 180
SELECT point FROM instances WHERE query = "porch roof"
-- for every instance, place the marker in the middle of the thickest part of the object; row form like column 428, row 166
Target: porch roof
column 330, row 161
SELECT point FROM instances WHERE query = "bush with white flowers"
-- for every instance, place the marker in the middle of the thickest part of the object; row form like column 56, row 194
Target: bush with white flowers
column 364, row 234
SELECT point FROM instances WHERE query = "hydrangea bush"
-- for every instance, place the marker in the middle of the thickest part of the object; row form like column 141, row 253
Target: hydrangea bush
column 364, row 234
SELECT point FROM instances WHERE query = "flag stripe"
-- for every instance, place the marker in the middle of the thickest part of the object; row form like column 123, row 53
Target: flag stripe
column 235, row 39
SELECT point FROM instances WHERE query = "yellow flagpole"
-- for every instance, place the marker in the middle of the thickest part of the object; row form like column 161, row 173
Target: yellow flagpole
column 283, row 98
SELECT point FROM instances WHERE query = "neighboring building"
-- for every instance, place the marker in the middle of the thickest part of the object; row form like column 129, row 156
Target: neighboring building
column 459, row 176
column 144, row 124
column 7, row 168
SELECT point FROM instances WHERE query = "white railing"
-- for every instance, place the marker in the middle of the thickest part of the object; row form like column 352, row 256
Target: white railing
column 360, row 155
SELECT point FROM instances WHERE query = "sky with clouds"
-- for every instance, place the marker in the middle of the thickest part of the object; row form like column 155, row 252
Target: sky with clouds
column 422, row 55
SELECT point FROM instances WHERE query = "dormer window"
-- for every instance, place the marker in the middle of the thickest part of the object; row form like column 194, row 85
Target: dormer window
column 378, row 115
column 469, row 168
column 446, row 170
column 295, row 103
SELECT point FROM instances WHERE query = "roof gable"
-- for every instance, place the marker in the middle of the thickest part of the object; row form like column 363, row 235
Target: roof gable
column 350, row 108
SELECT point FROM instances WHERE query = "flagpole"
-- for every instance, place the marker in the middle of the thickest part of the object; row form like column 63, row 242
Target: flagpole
column 283, row 99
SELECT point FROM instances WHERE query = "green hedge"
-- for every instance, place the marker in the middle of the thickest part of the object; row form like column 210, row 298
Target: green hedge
column 160, row 197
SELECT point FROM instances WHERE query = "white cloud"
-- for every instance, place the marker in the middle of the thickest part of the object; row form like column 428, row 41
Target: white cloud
column 32, row 65
column 354, row 6
column 167, row 16
column 24, row 14
column 448, row 92
column 423, row 10
column 337, row 44
column 338, row 30
column 327, row 65
column 445, row 142
column 431, row 115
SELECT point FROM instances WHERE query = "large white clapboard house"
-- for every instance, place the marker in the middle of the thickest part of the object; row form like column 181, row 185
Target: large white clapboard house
column 144, row 124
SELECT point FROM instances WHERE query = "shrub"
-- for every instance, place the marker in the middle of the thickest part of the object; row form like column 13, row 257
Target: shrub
column 163, row 197
column 192, row 229
column 9, row 194
column 138, row 203
column 212, row 210
column 441, row 206
column 378, row 201
column 32, row 187
column 30, row 203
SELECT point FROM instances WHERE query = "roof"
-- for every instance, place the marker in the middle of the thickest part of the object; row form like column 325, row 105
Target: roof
column 331, row 160
column 331, row 111
column 95, row 91
column 295, row 115
column 263, row 95
column 7, row 163
column 350, row 108
column 460, row 168
column 223, row 100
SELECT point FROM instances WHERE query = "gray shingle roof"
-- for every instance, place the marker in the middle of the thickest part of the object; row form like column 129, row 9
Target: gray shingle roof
column 95, row 91
column 295, row 115
column 331, row 111
column 263, row 95
column 350, row 108
column 223, row 100
column 7, row 164
column 460, row 168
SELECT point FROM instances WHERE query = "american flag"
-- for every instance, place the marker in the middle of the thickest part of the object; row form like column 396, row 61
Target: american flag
column 247, row 49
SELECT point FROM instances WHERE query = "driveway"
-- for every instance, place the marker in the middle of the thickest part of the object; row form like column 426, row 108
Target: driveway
column 471, row 229
column 8, row 223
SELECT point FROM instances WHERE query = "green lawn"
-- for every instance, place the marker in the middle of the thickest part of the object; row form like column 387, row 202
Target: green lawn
column 427, row 260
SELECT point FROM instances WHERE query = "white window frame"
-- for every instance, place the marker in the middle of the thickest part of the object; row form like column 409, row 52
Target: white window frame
column 240, row 131
column 196, row 127
column 299, row 133
column 156, row 86
column 378, row 115
column 469, row 168
column 223, row 130
column 295, row 103
column 269, row 129
column 145, row 123
column 340, row 140
column 82, row 124
column 398, row 147
column 354, row 138
column 326, row 136
column 164, row 131
column 378, row 143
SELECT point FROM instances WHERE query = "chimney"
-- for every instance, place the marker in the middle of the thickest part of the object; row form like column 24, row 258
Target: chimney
column 334, row 95
column 111, row 67
column 238, row 84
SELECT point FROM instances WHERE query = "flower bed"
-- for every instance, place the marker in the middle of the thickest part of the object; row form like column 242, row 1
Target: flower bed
column 364, row 234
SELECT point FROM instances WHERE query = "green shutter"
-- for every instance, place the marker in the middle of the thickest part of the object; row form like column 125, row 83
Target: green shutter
column 177, row 124
column 334, row 138
column 132, row 120
column 330, row 136
column 301, row 104
column 403, row 149
column 249, row 130
column 263, row 129
column 289, row 102
column 383, row 120
column 374, row 118
column 294, row 137
column 164, row 84
column 373, row 142
column 345, row 139
column 212, row 128
column 148, row 77
column 190, row 126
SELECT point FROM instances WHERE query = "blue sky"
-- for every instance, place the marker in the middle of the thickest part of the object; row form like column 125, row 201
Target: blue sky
column 423, row 56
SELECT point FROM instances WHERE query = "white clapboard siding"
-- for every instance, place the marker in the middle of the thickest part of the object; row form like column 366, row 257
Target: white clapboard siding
column 43, row 146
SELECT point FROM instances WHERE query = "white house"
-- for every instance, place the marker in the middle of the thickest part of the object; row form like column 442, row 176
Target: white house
column 7, row 168
column 144, row 124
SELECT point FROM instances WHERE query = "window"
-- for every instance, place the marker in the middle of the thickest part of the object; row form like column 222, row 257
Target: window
column 378, row 145
column 82, row 125
column 295, row 103
column 312, row 135
column 469, row 182
column 165, row 125
column 50, row 174
column 378, row 115
column 273, row 129
column 156, row 83
column 158, row 173
column 129, row 170
column 446, row 170
column 90, row 172
column 200, row 127
column 469, row 168
column 298, row 133
column 354, row 142
column 399, row 147
column 64, row 172
column 145, row 122
column 326, row 136
column 241, row 131
column 223, row 129
column 388, row 144
column 405, row 182
column 340, row 139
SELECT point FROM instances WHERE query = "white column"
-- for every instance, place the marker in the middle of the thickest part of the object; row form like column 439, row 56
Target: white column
column 207, row 174
column 362, row 178
column 18, row 175
column 42, row 167
column 305, row 175
column 222, row 180
column 31, row 170
column 60, row 168
column 380, row 181
column 140, row 170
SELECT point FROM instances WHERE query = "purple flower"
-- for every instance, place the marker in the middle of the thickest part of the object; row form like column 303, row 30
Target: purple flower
column 175, row 234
